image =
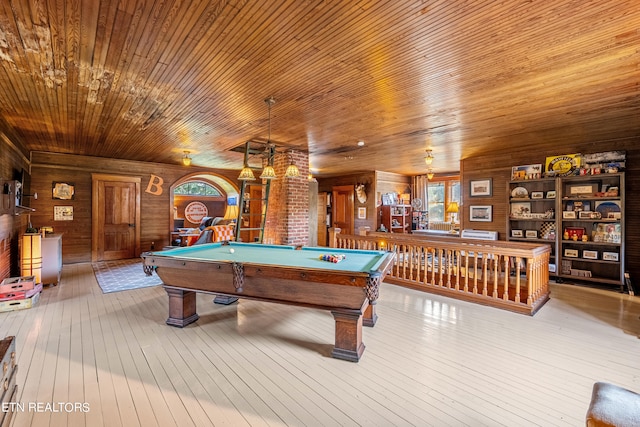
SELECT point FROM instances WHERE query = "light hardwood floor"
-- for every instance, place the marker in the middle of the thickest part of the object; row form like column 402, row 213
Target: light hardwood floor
column 429, row 360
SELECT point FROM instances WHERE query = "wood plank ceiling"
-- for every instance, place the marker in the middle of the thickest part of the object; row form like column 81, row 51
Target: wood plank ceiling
column 146, row 80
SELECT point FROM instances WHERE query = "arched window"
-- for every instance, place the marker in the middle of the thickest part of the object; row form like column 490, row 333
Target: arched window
column 197, row 188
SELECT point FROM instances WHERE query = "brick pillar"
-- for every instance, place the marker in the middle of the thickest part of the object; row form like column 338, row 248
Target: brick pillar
column 288, row 212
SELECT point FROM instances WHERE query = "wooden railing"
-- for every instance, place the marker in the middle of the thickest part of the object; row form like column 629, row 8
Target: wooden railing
column 508, row 275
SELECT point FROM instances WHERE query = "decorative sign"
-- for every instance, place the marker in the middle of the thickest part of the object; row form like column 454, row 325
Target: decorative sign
column 195, row 211
column 562, row 165
column 63, row 213
column 155, row 185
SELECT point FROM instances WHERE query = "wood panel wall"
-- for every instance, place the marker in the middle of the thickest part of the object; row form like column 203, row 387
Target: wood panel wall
column 156, row 211
column 12, row 160
column 325, row 185
column 498, row 167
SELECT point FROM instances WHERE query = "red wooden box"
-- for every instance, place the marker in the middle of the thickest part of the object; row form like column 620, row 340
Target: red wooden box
column 8, row 296
column 16, row 284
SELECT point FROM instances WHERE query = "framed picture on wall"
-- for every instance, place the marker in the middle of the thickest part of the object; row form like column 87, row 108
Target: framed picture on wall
column 362, row 213
column 63, row 190
column 480, row 213
column 63, row 213
column 480, row 188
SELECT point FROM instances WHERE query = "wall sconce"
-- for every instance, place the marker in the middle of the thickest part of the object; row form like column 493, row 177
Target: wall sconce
column 430, row 174
column 186, row 160
column 32, row 256
column 429, row 158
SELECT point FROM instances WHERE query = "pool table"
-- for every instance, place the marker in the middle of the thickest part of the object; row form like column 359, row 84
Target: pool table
column 277, row 273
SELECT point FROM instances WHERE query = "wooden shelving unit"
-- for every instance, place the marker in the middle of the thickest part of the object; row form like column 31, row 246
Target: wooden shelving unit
column 542, row 210
column 592, row 206
column 396, row 218
column 532, row 214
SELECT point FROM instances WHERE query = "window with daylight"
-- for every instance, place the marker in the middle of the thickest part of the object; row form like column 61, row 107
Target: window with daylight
column 197, row 188
column 440, row 193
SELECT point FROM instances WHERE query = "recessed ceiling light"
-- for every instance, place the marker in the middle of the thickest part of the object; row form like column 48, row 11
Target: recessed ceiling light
column 360, row 143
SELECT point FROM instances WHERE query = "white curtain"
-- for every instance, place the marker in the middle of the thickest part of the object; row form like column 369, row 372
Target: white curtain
column 419, row 188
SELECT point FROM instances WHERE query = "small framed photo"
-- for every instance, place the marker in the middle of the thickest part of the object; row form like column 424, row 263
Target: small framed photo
column 568, row 214
column 521, row 209
column 526, row 172
column 517, row 233
column 610, row 256
column 537, row 195
column 571, row 253
column 531, row 234
column 551, row 194
column 589, row 254
column 583, row 189
column 362, row 213
column 480, row 188
column 480, row 213
column 589, row 215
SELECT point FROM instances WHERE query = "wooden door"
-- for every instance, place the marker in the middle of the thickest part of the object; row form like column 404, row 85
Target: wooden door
column 322, row 219
column 342, row 208
column 115, row 217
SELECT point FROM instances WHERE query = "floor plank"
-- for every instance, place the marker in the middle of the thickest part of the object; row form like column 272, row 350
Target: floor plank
column 429, row 360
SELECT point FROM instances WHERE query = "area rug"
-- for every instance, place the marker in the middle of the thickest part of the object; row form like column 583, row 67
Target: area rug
column 123, row 275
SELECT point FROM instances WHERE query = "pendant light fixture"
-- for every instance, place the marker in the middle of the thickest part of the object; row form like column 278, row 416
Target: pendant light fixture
column 429, row 157
column 268, row 172
column 186, row 160
column 292, row 169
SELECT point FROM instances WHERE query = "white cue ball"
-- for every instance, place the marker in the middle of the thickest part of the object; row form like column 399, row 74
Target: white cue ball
column 231, row 250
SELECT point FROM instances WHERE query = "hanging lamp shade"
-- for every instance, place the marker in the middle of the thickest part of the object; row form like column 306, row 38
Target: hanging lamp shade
column 246, row 174
column 186, row 159
column 430, row 174
column 268, row 172
column 429, row 158
column 292, row 171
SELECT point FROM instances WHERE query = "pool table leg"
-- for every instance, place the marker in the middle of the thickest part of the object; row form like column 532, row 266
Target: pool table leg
column 370, row 317
column 348, row 344
column 182, row 307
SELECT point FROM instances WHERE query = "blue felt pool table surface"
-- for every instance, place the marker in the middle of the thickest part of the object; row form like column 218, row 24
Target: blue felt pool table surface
column 280, row 255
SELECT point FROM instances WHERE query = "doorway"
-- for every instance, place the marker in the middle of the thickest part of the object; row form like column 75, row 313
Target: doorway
column 115, row 223
column 342, row 209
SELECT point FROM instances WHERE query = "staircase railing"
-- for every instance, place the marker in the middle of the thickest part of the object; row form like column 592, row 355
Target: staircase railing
column 508, row 275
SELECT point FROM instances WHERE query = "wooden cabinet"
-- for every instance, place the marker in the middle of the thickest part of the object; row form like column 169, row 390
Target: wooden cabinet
column 396, row 218
column 51, row 259
column 532, row 214
column 591, row 225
